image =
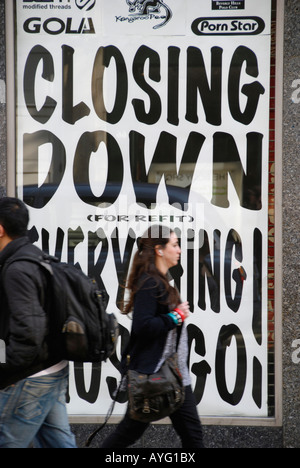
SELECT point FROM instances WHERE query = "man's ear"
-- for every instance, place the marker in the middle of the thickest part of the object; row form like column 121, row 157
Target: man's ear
column 2, row 231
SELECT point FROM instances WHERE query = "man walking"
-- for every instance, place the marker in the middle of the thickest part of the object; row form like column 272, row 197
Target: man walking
column 32, row 385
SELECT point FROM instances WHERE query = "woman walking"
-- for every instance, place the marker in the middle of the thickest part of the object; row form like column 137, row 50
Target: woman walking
column 156, row 327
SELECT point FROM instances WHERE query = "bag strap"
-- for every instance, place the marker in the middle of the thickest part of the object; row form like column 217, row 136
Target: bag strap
column 109, row 413
column 41, row 261
column 179, row 329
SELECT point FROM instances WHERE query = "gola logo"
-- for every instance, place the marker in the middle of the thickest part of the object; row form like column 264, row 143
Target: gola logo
column 228, row 26
column 55, row 26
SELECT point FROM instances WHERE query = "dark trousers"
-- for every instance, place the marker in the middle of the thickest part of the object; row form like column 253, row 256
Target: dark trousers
column 185, row 421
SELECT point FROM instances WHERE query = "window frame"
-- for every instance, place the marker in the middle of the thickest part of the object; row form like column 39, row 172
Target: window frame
column 275, row 421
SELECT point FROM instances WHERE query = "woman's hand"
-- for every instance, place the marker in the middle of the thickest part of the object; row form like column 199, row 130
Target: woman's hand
column 185, row 309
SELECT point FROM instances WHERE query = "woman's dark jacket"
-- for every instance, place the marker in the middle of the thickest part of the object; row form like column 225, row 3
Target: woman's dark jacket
column 150, row 326
column 23, row 321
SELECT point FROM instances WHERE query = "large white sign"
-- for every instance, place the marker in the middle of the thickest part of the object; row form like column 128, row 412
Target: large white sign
column 132, row 113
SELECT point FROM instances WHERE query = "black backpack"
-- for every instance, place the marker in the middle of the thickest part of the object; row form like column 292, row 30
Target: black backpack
column 80, row 329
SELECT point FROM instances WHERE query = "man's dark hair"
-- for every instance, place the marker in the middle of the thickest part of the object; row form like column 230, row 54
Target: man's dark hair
column 14, row 217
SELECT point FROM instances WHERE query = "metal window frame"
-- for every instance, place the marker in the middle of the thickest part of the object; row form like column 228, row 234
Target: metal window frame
column 275, row 421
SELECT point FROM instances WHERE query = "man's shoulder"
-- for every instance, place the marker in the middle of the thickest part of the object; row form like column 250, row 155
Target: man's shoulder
column 24, row 257
column 23, row 249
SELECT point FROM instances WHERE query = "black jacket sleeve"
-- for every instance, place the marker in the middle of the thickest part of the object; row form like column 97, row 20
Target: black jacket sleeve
column 28, row 322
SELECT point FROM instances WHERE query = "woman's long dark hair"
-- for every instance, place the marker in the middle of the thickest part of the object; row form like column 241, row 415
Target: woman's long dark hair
column 144, row 263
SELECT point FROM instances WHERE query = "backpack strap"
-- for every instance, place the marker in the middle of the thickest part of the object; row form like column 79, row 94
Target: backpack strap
column 41, row 261
column 38, row 260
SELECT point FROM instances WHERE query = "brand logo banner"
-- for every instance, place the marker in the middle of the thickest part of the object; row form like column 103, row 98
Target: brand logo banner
column 228, row 4
column 136, row 113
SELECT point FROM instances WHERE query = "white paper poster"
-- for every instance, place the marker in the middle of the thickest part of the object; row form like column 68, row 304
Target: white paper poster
column 134, row 113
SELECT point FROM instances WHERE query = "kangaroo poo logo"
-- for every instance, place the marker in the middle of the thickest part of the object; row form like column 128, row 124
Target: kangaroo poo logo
column 151, row 9
column 85, row 4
